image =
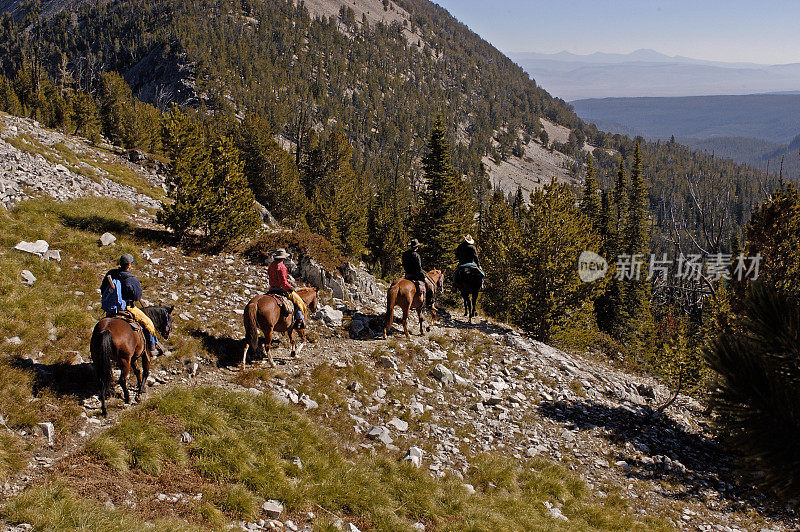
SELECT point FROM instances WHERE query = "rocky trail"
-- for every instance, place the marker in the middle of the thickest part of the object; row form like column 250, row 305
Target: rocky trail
column 437, row 401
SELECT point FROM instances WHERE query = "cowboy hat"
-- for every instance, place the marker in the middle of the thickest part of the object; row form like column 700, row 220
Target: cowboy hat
column 468, row 239
column 280, row 254
column 414, row 243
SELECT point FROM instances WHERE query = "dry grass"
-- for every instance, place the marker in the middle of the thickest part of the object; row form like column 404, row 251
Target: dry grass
column 247, row 443
column 53, row 507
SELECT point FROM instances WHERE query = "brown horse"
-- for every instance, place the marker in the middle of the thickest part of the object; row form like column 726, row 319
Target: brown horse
column 115, row 340
column 263, row 312
column 404, row 293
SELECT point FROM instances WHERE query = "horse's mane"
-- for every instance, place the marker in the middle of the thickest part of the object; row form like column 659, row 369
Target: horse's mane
column 158, row 314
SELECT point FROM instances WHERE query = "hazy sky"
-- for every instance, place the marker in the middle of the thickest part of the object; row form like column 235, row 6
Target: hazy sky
column 761, row 31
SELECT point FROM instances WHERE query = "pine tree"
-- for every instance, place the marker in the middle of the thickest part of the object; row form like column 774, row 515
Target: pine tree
column 340, row 201
column 447, row 211
column 636, row 292
column 774, row 233
column 230, row 216
column 271, row 172
column 554, row 235
column 85, row 120
column 591, row 204
column 637, row 223
column 9, row 101
column 499, row 247
column 189, row 174
column 620, row 201
column 115, row 101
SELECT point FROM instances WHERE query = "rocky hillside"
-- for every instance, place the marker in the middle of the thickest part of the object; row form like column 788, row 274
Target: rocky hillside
column 467, row 427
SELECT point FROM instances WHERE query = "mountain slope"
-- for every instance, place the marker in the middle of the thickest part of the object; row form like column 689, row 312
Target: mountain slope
column 511, row 434
column 308, row 75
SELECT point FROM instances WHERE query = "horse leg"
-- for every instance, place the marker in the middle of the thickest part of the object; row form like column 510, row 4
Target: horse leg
column 302, row 334
column 125, row 368
column 405, row 322
column 268, row 347
column 419, row 315
column 138, row 373
column 474, row 305
column 145, row 373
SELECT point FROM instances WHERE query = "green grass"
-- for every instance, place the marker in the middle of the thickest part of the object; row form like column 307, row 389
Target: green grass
column 12, row 457
column 52, row 321
column 53, row 507
column 246, row 443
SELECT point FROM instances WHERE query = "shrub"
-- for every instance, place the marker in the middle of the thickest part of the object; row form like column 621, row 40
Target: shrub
column 757, row 396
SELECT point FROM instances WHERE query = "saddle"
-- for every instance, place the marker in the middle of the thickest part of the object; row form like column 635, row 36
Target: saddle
column 128, row 318
column 284, row 303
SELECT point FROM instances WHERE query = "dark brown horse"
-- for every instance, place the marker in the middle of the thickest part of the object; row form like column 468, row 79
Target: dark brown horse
column 468, row 281
column 115, row 340
column 406, row 295
column 263, row 312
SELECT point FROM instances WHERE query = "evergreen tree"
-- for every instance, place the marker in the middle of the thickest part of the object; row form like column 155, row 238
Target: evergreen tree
column 637, row 312
column 115, row 101
column 447, row 211
column 9, row 101
column 339, row 204
column 637, row 223
column 591, row 204
column 189, row 174
column 230, row 216
column 85, row 119
column 499, row 247
column 773, row 232
column 554, row 235
column 271, row 172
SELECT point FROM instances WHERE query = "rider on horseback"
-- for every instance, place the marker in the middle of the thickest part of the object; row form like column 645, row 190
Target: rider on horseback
column 412, row 265
column 131, row 293
column 467, row 256
column 279, row 284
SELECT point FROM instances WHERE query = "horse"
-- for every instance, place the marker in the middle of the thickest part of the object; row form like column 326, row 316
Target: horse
column 114, row 339
column 404, row 293
column 468, row 281
column 263, row 312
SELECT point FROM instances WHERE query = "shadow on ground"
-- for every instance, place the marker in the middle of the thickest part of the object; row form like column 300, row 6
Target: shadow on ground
column 709, row 473
column 76, row 380
column 101, row 224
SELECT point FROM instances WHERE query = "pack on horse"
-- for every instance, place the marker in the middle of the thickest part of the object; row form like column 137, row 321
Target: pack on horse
column 468, row 280
column 116, row 339
column 410, row 295
column 266, row 312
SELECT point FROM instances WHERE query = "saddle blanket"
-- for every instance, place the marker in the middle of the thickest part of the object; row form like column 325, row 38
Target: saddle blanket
column 284, row 303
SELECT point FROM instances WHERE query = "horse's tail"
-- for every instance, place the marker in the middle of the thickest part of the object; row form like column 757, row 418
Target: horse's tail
column 391, row 299
column 103, row 364
column 251, row 326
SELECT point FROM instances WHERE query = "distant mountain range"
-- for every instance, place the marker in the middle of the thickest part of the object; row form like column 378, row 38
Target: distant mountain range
column 649, row 73
column 757, row 129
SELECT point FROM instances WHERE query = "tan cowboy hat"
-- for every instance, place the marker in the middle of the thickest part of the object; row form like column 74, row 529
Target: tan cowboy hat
column 468, row 239
column 280, row 254
column 414, row 243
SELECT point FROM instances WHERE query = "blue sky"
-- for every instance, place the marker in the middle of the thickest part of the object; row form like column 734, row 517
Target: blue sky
column 761, row 31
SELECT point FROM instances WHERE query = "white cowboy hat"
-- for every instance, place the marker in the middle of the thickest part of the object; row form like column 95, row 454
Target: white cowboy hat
column 280, row 254
column 468, row 239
